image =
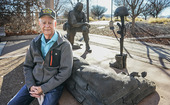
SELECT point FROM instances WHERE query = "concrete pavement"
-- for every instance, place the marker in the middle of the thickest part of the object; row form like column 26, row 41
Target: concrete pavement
column 146, row 52
column 154, row 54
column 152, row 58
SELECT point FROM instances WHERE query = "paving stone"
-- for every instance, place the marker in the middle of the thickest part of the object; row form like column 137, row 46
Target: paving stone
column 83, row 84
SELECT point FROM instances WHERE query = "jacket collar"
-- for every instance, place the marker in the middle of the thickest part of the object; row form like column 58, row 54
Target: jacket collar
column 59, row 41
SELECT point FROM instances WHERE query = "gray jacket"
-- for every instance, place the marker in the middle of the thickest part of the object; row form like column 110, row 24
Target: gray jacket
column 52, row 71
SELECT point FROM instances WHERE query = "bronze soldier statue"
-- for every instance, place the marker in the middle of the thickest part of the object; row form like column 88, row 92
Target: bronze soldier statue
column 77, row 23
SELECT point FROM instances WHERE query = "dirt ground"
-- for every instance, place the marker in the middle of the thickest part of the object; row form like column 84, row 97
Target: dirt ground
column 12, row 78
column 151, row 31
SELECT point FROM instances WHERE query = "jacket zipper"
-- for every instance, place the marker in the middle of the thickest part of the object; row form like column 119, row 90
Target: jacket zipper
column 43, row 71
column 51, row 61
column 44, row 62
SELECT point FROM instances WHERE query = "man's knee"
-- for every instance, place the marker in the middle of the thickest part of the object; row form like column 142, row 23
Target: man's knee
column 71, row 32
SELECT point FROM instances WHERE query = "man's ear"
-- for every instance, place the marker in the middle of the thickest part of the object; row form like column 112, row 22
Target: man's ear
column 39, row 22
column 55, row 23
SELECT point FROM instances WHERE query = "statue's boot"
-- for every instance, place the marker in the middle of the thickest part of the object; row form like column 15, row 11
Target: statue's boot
column 119, row 62
column 88, row 48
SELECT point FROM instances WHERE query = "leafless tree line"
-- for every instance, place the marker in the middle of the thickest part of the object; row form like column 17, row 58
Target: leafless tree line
column 144, row 7
column 9, row 8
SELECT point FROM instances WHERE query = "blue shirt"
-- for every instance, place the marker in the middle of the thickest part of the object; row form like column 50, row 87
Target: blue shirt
column 46, row 46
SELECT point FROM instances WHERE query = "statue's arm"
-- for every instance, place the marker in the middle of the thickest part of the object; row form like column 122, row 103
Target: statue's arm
column 84, row 17
column 74, row 22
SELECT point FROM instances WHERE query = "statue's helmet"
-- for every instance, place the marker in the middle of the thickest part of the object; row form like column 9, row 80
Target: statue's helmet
column 121, row 11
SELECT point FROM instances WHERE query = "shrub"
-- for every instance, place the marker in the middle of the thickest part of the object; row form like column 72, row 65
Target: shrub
column 139, row 19
column 128, row 19
column 103, row 18
column 165, row 23
column 91, row 19
column 117, row 19
column 159, row 20
column 168, row 20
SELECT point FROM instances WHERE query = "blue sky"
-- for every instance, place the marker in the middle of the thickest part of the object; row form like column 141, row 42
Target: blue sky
column 107, row 4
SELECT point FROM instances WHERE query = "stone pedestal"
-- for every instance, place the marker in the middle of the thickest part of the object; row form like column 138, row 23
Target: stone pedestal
column 96, row 86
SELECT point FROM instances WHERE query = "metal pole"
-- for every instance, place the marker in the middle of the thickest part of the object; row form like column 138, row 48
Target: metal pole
column 88, row 11
column 111, row 8
column 122, row 35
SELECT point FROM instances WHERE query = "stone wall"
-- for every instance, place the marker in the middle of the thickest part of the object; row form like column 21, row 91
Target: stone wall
column 95, row 86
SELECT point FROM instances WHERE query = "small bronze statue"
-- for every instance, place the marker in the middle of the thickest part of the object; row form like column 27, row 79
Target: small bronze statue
column 77, row 23
column 120, row 58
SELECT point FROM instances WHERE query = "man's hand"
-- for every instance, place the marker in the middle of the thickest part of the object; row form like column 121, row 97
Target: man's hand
column 38, row 88
column 36, row 91
column 87, row 24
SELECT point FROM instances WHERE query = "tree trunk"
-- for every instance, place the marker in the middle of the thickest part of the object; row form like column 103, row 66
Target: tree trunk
column 145, row 17
column 28, row 16
column 49, row 4
column 156, row 16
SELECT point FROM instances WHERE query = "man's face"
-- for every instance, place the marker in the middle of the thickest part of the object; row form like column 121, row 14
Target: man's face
column 79, row 8
column 47, row 25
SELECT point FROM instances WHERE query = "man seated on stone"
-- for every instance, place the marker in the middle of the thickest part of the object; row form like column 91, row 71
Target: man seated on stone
column 77, row 23
column 48, row 64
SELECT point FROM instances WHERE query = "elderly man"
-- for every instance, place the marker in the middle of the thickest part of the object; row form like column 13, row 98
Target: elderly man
column 47, row 66
column 77, row 23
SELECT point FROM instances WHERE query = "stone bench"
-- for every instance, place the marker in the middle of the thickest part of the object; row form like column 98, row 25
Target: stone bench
column 96, row 86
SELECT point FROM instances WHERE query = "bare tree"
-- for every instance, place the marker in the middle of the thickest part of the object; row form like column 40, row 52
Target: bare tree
column 135, row 7
column 120, row 3
column 158, row 6
column 98, row 11
column 63, row 6
column 60, row 6
column 5, row 12
column 146, row 11
column 11, row 8
column 57, row 7
column 74, row 2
